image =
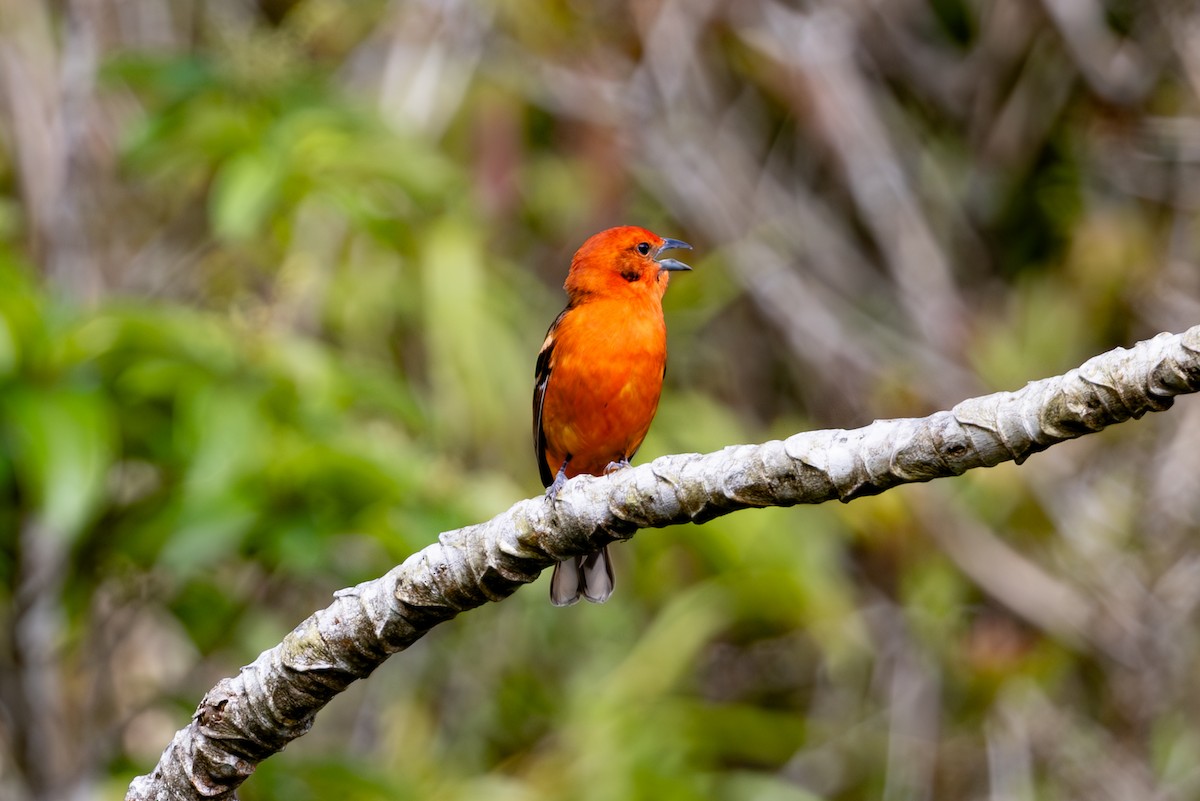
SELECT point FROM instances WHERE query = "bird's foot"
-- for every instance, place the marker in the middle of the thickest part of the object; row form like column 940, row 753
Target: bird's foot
column 560, row 481
column 615, row 466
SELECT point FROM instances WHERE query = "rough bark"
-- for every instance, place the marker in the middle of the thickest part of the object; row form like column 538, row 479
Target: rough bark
column 247, row 718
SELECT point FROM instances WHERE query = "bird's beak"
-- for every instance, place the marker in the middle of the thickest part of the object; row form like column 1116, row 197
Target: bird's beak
column 672, row 264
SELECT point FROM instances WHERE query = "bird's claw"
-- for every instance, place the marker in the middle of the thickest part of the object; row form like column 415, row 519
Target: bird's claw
column 615, row 466
column 560, row 481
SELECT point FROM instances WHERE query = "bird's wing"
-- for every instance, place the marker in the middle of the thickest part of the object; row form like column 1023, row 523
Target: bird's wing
column 540, row 381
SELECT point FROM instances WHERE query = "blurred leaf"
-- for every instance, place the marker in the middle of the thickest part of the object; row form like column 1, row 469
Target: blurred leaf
column 204, row 536
column 9, row 354
column 244, row 192
column 747, row 735
column 63, row 441
column 320, row 779
column 746, row 786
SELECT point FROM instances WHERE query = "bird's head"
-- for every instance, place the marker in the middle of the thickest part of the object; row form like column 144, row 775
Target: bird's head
column 623, row 259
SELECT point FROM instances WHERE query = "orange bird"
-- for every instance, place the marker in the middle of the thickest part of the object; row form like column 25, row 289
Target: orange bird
column 599, row 375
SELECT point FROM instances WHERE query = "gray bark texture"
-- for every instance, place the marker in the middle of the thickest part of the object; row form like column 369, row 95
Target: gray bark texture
column 245, row 719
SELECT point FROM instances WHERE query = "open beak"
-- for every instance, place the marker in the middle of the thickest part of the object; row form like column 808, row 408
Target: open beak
column 672, row 264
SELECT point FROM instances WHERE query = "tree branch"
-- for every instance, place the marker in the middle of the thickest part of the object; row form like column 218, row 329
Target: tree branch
column 245, row 719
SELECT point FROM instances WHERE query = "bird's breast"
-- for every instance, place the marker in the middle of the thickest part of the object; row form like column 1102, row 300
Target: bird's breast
column 605, row 382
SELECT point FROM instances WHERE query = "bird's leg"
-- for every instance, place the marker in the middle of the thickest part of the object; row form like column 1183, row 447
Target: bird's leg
column 615, row 466
column 560, row 481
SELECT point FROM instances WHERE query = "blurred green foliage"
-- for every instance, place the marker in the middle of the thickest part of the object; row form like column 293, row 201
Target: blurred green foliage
column 328, row 238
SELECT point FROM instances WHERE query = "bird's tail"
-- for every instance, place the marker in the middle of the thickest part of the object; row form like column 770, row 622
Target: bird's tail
column 590, row 577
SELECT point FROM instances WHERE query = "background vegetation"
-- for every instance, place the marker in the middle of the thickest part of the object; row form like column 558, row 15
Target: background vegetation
column 272, row 280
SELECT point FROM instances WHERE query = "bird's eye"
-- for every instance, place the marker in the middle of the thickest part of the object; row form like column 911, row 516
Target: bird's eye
column 643, row 248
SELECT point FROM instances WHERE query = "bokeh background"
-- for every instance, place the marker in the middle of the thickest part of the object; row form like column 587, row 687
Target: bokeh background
column 273, row 276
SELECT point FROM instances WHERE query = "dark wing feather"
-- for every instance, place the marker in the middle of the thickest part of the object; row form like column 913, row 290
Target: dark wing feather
column 540, row 381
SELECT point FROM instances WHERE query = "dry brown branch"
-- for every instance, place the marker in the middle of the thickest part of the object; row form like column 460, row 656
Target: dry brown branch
column 246, row 719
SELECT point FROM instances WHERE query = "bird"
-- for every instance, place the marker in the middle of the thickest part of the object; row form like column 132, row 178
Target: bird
column 599, row 376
